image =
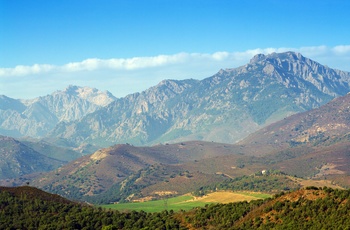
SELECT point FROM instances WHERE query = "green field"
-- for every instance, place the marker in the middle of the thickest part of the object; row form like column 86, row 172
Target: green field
column 180, row 203
column 175, row 203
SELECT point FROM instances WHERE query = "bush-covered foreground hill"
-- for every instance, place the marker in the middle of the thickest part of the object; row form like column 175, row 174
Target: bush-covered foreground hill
column 311, row 208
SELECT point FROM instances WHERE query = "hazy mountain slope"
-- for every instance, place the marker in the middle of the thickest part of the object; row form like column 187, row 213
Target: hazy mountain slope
column 38, row 116
column 327, row 124
column 224, row 108
column 18, row 159
column 52, row 151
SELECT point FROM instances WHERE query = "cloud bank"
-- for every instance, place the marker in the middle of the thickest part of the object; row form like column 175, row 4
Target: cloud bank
column 127, row 75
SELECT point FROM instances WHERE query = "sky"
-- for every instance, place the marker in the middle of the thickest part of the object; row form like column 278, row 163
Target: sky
column 127, row 46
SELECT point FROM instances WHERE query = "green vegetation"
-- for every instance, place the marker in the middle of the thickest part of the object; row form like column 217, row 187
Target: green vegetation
column 21, row 211
column 175, row 203
column 304, row 209
column 312, row 208
column 256, row 195
column 273, row 181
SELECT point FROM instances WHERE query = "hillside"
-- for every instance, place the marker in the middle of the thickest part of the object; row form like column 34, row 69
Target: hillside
column 327, row 124
column 22, row 160
column 30, row 208
column 123, row 165
column 223, row 108
column 32, row 193
column 18, row 159
column 312, row 208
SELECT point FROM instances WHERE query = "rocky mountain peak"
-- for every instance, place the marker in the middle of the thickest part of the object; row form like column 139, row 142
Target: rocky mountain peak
column 278, row 57
column 257, row 58
column 71, row 89
column 92, row 95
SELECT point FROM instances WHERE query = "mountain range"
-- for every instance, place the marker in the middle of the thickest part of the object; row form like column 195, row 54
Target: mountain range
column 271, row 112
column 223, row 108
column 311, row 145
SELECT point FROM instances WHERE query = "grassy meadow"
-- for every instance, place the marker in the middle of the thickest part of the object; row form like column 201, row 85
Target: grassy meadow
column 187, row 202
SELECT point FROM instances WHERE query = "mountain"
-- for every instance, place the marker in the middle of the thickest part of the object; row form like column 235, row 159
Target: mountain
column 327, row 124
column 17, row 159
column 223, row 108
column 306, row 148
column 36, row 117
column 21, row 160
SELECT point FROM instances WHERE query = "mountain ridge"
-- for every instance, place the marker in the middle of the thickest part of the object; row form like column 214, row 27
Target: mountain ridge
column 224, row 108
column 36, row 117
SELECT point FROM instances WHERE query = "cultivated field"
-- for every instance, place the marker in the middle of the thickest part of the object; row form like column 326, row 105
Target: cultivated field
column 187, row 202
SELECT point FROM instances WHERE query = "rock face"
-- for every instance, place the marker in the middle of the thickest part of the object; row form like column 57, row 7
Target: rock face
column 223, row 108
column 38, row 116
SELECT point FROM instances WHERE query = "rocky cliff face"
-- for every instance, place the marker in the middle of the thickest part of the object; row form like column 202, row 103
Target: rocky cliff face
column 38, row 116
column 224, row 108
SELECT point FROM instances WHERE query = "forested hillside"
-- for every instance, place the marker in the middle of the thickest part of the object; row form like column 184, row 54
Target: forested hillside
column 311, row 208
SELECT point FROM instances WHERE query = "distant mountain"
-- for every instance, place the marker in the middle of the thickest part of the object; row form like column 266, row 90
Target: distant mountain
column 325, row 125
column 224, row 108
column 36, row 117
column 17, row 159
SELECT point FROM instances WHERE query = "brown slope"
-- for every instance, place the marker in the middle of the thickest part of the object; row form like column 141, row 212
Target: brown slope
column 96, row 173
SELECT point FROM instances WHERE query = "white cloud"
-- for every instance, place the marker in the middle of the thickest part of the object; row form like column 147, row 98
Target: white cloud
column 21, row 70
column 168, row 60
column 341, row 50
column 123, row 76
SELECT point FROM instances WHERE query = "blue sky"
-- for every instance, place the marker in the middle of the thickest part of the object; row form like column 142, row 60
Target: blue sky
column 126, row 46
